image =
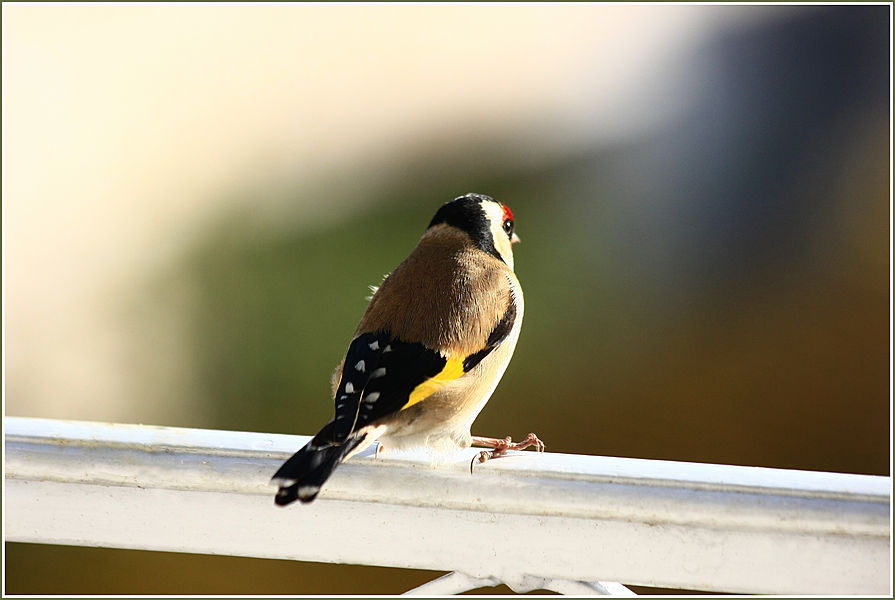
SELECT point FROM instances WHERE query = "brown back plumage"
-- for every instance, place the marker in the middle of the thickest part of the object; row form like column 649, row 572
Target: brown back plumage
column 466, row 293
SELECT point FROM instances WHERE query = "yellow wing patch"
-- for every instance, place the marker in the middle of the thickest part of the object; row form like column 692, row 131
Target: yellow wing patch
column 453, row 369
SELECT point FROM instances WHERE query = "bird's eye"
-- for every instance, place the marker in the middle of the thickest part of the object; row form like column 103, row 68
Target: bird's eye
column 508, row 226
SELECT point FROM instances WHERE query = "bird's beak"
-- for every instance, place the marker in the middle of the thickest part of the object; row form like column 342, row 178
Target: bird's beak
column 515, row 239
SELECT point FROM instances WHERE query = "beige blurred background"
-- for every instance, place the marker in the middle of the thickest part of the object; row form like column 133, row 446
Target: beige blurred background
column 196, row 198
column 125, row 127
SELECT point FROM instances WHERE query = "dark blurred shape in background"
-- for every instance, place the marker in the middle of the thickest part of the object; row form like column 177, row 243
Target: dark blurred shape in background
column 712, row 288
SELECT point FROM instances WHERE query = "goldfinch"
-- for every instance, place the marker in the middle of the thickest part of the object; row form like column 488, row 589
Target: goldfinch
column 429, row 351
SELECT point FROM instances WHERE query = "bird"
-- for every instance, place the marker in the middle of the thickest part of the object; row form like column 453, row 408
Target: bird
column 429, row 351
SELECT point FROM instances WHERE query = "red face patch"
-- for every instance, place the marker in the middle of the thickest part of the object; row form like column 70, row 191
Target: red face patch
column 507, row 213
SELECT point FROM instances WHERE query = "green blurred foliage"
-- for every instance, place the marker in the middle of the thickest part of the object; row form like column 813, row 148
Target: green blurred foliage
column 785, row 369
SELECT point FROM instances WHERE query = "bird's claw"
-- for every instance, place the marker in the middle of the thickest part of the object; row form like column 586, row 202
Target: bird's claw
column 499, row 447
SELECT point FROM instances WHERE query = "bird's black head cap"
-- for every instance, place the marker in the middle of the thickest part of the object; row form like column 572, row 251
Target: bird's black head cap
column 466, row 213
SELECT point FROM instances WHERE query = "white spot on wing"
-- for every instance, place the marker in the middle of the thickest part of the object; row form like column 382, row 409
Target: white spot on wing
column 377, row 373
column 374, row 345
column 360, row 366
column 306, row 491
column 349, row 387
column 371, row 397
column 387, row 349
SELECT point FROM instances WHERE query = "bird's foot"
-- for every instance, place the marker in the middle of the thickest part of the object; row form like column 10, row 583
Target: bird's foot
column 499, row 447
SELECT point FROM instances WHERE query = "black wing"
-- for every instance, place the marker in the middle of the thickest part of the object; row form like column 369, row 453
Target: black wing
column 377, row 379
column 381, row 375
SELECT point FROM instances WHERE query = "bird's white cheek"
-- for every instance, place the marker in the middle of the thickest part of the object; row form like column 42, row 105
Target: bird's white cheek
column 501, row 240
column 506, row 250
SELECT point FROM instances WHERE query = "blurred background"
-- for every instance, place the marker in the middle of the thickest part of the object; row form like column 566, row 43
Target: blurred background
column 196, row 197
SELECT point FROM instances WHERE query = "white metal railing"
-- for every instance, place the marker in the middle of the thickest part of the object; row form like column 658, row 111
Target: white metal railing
column 564, row 522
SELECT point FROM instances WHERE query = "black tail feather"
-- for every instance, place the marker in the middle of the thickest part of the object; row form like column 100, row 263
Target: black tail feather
column 311, row 466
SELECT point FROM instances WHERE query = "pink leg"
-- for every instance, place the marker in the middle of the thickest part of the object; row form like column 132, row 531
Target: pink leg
column 500, row 447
